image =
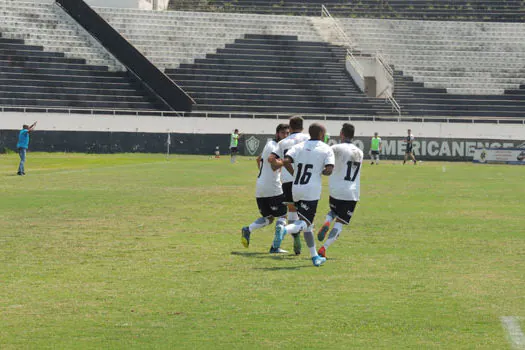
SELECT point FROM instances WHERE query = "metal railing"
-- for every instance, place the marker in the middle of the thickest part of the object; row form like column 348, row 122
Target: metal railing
column 278, row 116
column 346, row 40
column 357, row 66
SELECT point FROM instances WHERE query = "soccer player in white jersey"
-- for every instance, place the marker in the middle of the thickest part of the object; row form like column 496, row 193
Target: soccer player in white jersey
column 276, row 159
column 268, row 191
column 344, row 187
column 311, row 159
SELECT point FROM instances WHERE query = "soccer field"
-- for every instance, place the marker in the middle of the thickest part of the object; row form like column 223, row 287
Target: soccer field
column 136, row 251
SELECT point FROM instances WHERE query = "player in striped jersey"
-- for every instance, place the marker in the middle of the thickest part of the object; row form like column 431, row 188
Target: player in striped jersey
column 344, row 187
column 268, row 190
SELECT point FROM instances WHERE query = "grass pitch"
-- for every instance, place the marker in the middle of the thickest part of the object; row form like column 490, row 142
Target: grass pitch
column 136, row 251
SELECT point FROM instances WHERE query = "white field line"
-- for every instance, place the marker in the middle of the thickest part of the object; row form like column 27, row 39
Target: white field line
column 515, row 335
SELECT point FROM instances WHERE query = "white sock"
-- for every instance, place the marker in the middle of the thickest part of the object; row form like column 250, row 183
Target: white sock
column 334, row 234
column 281, row 221
column 292, row 216
column 329, row 217
column 259, row 223
column 295, row 227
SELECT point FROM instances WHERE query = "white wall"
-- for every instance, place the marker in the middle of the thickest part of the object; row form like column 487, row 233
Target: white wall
column 136, row 4
column 51, row 121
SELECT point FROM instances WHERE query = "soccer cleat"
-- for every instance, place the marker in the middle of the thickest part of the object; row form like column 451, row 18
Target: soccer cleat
column 277, row 251
column 280, row 231
column 323, row 230
column 322, row 252
column 318, row 260
column 297, row 243
column 245, row 237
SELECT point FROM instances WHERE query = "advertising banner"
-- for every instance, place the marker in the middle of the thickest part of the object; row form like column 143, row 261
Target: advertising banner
column 393, row 148
column 500, row 155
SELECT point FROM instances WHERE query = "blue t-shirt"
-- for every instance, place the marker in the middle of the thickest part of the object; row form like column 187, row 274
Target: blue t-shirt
column 23, row 139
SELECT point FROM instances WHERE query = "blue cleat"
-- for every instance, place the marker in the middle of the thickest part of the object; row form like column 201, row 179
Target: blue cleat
column 245, row 237
column 280, row 231
column 322, row 232
column 318, row 260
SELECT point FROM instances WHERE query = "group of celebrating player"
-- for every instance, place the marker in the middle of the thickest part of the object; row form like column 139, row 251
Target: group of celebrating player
column 291, row 195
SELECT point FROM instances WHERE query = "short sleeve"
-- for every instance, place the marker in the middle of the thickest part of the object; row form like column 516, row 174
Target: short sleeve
column 330, row 157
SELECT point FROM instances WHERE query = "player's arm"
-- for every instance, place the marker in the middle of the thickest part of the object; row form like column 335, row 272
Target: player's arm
column 259, row 161
column 287, row 163
column 328, row 170
column 329, row 161
column 32, row 127
column 275, row 162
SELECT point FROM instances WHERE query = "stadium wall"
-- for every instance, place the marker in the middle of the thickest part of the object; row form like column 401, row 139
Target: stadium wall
column 113, row 133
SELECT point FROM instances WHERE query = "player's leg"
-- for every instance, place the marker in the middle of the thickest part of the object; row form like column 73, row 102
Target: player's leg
column 292, row 216
column 306, row 211
column 279, row 209
column 265, row 220
column 405, row 159
column 377, row 158
column 21, row 166
column 327, row 222
column 344, row 211
column 413, row 157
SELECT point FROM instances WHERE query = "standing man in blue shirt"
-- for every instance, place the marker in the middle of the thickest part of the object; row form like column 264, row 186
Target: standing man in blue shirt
column 22, row 145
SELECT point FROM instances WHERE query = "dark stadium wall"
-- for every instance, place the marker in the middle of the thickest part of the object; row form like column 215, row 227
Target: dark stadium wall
column 117, row 142
column 446, row 149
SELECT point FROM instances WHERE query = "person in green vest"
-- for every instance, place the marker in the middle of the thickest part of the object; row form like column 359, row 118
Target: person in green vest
column 234, row 145
column 375, row 148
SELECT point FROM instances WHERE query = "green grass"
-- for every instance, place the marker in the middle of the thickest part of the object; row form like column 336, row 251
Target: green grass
column 136, row 251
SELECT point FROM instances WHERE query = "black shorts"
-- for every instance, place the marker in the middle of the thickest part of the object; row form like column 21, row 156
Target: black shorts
column 375, row 153
column 234, row 149
column 408, row 149
column 343, row 209
column 272, row 206
column 287, row 190
column 306, row 210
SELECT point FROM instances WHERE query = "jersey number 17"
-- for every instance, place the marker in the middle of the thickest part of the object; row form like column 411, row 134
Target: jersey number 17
column 352, row 166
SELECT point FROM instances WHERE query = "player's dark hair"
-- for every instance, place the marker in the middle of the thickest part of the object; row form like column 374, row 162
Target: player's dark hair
column 281, row 127
column 236, row 130
column 348, row 131
column 296, row 123
column 25, row 126
column 315, row 131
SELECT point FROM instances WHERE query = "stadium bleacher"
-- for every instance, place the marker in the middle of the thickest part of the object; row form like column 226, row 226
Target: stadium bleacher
column 274, row 63
column 449, row 68
column 454, row 10
column 44, row 63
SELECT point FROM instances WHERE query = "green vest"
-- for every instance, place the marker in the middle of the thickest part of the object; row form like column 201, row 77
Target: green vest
column 375, row 143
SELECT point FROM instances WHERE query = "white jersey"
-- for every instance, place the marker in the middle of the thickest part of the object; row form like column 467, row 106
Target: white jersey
column 285, row 145
column 309, row 159
column 268, row 181
column 344, row 181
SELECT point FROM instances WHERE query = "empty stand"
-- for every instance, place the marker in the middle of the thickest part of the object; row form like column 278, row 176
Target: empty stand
column 449, row 68
column 275, row 74
column 170, row 38
column 47, row 25
column 30, row 76
column 475, row 10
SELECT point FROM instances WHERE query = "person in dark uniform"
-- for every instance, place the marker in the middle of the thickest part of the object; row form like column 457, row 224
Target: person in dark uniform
column 409, row 140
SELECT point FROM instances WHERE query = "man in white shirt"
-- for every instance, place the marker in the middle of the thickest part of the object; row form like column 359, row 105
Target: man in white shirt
column 276, row 159
column 268, row 191
column 344, row 187
column 311, row 159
